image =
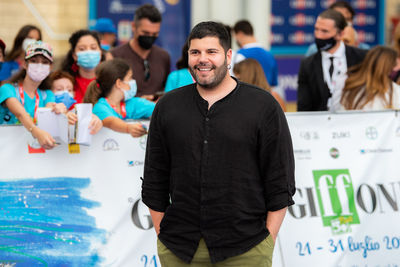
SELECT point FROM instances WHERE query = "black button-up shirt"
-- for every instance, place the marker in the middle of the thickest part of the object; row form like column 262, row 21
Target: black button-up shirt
column 217, row 172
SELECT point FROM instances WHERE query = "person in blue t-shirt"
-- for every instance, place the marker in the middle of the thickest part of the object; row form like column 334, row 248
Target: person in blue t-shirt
column 181, row 76
column 249, row 48
column 21, row 97
column 113, row 96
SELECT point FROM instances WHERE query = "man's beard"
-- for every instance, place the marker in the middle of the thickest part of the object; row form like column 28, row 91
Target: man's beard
column 220, row 73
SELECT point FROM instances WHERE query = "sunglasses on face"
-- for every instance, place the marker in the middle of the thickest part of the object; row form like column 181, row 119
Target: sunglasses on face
column 146, row 70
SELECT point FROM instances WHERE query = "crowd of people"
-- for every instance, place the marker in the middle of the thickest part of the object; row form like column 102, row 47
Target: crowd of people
column 343, row 74
column 124, row 82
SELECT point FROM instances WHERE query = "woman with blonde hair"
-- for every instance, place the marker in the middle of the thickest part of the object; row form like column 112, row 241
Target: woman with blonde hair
column 368, row 86
column 250, row 71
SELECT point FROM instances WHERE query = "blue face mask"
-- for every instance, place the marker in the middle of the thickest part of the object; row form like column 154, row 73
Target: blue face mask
column 64, row 97
column 106, row 47
column 128, row 94
column 88, row 59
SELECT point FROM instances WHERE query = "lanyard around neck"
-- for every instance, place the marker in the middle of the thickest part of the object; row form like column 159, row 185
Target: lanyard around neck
column 122, row 106
column 37, row 100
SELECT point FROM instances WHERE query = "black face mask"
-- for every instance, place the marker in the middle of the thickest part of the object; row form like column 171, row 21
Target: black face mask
column 325, row 44
column 146, row 42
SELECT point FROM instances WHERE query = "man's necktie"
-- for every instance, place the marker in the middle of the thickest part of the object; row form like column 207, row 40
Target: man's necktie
column 331, row 67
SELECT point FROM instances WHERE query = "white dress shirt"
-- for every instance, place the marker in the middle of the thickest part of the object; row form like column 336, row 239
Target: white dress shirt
column 338, row 75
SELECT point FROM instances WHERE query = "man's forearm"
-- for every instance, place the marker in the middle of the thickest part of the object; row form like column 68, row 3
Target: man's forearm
column 274, row 221
column 156, row 216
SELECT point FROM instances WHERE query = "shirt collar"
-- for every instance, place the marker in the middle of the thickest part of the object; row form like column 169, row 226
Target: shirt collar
column 226, row 98
column 339, row 53
column 251, row 45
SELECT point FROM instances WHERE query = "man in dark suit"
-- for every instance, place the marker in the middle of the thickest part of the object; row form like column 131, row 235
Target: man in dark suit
column 322, row 73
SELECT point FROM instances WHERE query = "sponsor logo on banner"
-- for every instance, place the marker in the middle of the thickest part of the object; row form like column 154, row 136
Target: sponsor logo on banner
column 364, row 4
column 336, row 199
column 362, row 20
column 116, row 7
column 301, row 154
column 300, row 37
column 277, row 20
column 309, row 135
column 341, row 135
column 110, row 145
column 375, row 150
column 364, row 37
column 135, row 163
column 277, row 38
column 339, row 201
column 301, row 20
column 326, row 3
column 302, row 4
column 334, row 152
column 371, row 133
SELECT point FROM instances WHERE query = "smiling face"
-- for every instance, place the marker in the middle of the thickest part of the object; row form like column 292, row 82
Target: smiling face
column 208, row 61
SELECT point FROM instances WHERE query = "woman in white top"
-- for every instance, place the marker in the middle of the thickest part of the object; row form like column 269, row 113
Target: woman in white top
column 368, row 86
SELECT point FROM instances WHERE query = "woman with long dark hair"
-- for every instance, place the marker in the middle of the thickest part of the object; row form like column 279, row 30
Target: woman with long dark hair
column 82, row 59
column 15, row 58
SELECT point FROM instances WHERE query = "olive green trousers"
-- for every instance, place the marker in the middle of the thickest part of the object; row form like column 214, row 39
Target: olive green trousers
column 258, row 256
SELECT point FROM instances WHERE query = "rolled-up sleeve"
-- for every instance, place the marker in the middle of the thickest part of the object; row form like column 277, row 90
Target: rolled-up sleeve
column 276, row 160
column 155, row 186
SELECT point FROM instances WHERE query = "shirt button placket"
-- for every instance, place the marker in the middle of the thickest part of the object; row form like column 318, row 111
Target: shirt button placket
column 203, row 185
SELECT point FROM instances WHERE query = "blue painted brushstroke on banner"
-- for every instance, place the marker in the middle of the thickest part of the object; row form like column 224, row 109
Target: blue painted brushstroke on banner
column 44, row 222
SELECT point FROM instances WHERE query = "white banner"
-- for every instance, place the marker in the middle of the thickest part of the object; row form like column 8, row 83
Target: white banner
column 62, row 209
column 84, row 209
column 348, row 191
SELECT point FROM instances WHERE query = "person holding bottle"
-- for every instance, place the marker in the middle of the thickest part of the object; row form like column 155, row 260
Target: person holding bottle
column 81, row 61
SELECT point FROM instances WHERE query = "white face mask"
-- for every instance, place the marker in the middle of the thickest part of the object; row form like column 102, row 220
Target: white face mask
column 26, row 42
column 37, row 71
column 128, row 94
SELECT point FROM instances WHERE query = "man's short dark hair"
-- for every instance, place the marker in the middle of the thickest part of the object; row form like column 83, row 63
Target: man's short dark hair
column 229, row 31
column 337, row 17
column 211, row 29
column 243, row 26
column 344, row 4
column 147, row 11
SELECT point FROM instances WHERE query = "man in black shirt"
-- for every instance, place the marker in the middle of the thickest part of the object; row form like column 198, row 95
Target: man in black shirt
column 219, row 168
